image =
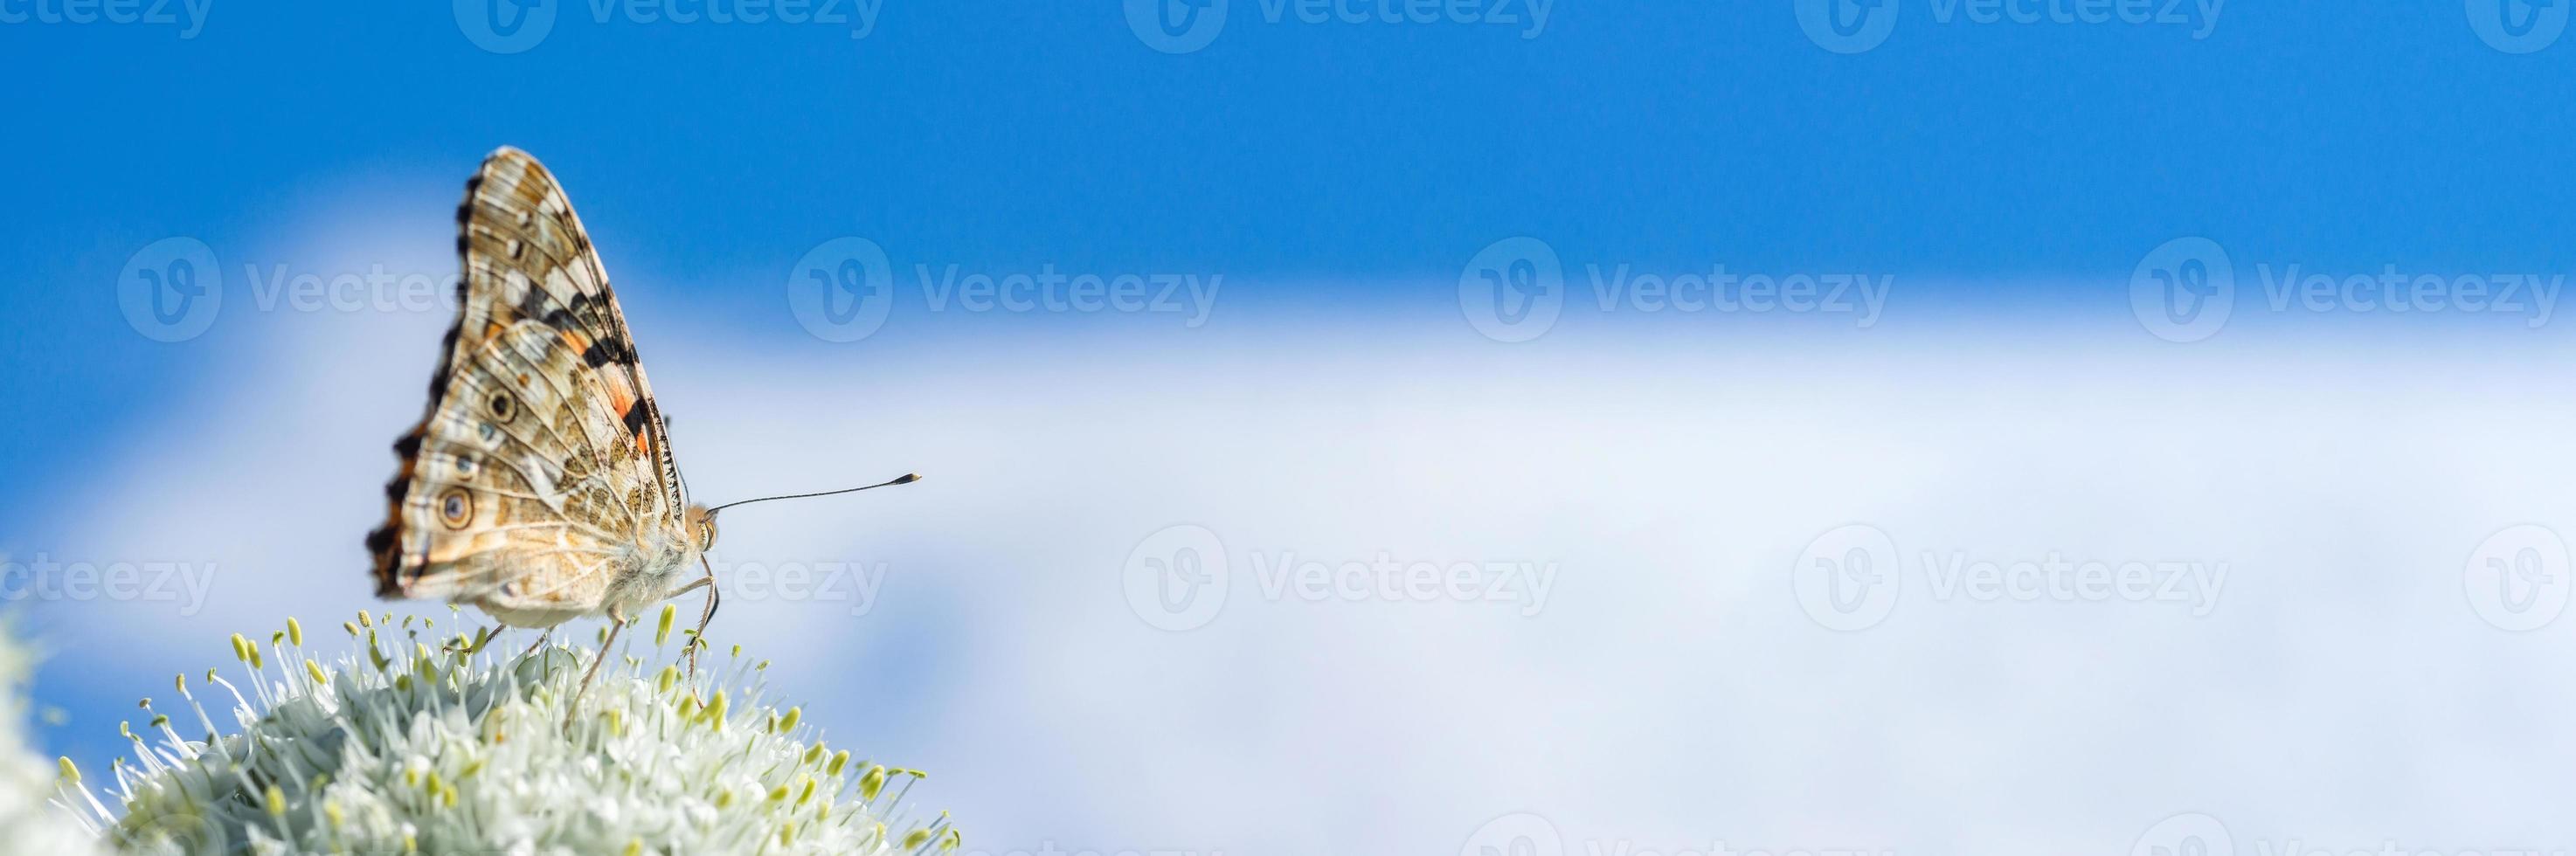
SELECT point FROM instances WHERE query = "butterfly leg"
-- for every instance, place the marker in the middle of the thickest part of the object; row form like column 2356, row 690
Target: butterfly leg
column 541, row 642
column 714, row 596
column 616, row 625
column 481, row 638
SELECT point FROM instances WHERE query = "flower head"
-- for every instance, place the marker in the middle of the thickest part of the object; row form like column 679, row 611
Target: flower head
column 414, row 746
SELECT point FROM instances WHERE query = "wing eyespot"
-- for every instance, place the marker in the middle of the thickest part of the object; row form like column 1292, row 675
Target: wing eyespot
column 455, row 507
column 501, row 406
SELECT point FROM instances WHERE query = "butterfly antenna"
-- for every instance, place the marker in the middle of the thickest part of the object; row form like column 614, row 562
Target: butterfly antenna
column 907, row 478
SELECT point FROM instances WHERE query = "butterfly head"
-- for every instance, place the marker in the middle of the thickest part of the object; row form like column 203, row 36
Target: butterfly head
column 702, row 527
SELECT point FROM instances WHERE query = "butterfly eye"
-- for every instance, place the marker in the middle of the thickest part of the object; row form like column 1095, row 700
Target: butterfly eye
column 502, row 405
column 455, row 508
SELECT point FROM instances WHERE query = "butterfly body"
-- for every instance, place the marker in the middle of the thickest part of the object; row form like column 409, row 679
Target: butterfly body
column 631, row 579
column 539, row 486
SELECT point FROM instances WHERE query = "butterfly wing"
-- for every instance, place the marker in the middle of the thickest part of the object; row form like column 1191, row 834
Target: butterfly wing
column 542, row 468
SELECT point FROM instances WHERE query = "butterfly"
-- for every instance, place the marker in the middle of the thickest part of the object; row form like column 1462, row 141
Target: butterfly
column 539, row 486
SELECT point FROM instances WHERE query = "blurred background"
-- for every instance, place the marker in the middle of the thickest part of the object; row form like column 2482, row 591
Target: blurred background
column 1376, row 426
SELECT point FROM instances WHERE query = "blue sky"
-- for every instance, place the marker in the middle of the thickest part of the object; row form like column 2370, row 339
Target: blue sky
column 1287, row 153
column 2010, row 177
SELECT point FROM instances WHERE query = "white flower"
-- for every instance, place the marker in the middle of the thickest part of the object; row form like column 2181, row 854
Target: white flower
column 404, row 747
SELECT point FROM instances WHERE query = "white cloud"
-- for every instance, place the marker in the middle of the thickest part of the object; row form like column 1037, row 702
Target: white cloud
column 1670, row 694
